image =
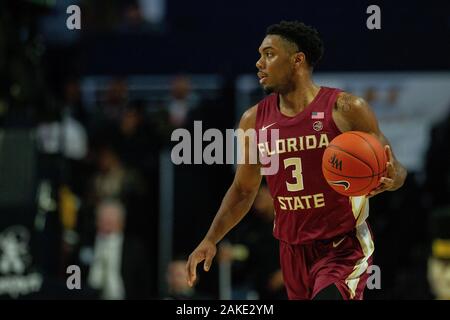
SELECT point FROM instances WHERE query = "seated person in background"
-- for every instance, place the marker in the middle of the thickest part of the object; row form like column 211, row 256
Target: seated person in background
column 254, row 252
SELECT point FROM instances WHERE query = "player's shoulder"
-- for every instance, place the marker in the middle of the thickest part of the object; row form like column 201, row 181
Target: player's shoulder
column 347, row 102
column 248, row 119
column 353, row 113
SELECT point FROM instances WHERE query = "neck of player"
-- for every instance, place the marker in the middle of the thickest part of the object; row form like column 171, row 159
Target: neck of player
column 295, row 101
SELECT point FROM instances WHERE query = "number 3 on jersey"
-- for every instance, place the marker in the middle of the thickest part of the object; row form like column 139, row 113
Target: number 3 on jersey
column 296, row 173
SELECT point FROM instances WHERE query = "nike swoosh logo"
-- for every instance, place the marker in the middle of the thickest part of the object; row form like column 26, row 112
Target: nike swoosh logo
column 335, row 244
column 265, row 127
column 342, row 183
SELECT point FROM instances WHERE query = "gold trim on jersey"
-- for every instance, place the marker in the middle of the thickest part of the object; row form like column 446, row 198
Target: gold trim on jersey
column 360, row 208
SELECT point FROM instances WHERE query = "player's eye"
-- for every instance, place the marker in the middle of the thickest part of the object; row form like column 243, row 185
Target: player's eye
column 269, row 54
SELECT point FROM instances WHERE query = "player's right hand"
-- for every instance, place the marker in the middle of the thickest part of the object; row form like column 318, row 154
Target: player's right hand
column 206, row 250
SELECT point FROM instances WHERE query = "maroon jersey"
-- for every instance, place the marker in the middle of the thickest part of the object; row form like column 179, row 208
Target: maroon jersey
column 306, row 207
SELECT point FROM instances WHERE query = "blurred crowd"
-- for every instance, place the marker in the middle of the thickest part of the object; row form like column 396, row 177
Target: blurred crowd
column 101, row 167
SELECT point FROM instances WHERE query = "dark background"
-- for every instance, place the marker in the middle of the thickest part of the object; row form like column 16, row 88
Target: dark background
column 220, row 38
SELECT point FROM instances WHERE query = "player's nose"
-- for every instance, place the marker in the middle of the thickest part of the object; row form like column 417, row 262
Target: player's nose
column 259, row 64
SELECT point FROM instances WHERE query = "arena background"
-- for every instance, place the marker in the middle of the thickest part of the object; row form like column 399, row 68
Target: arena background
column 86, row 115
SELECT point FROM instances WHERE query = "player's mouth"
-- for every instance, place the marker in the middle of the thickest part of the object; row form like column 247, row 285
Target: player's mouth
column 262, row 77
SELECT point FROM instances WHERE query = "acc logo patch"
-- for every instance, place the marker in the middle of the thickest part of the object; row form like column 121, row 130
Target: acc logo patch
column 318, row 125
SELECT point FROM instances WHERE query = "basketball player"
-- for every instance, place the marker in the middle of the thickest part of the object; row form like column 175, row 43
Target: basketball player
column 325, row 242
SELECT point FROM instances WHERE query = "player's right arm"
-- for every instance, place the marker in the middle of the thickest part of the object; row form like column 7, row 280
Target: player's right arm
column 235, row 205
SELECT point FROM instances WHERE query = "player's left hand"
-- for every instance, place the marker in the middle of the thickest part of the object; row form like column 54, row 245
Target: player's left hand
column 386, row 182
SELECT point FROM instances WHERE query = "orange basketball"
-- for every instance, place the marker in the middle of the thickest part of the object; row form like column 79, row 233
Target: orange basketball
column 353, row 163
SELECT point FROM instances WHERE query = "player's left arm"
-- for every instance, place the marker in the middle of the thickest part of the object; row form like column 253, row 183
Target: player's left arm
column 358, row 116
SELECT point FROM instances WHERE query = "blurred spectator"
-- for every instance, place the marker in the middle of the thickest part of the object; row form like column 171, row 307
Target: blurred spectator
column 72, row 108
column 400, row 256
column 371, row 95
column 393, row 95
column 114, row 180
column 117, row 264
column 439, row 260
column 153, row 11
column 255, row 252
column 60, row 133
column 269, row 280
column 72, row 104
column 111, row 107
column 134, row 20
column 182, row 101
column 136, row 141
column 178, row 287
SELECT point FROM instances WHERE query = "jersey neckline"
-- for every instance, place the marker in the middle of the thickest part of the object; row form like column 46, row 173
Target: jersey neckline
column 302, row 113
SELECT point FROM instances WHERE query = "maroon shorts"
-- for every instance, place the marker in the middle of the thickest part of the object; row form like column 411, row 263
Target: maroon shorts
column 342, row 261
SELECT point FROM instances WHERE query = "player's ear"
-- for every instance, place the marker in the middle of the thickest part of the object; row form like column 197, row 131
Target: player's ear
column 299, row 58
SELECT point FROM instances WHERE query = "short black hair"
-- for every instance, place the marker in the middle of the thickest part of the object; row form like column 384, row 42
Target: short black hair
column 306, row 38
